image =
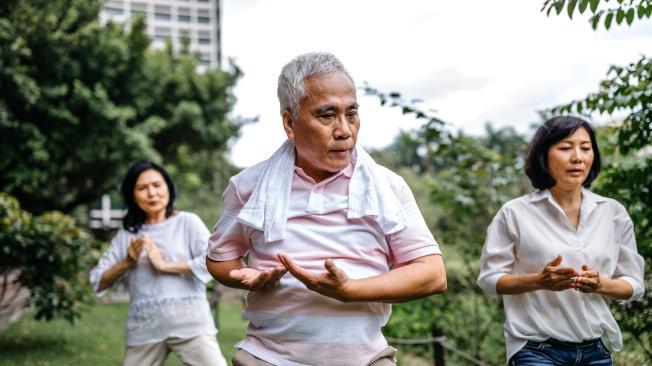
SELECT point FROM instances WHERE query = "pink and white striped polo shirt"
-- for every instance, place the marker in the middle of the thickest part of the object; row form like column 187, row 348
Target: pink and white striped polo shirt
column 291, row 325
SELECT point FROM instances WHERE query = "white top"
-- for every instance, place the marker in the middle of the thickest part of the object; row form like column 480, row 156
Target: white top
column 291, row 325
column 530, row 231
column 164, row 305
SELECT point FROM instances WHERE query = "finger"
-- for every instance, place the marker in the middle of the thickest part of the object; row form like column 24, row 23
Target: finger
column 296, row 270
column 589, row 274
column 555, row 262
column 277, row 273
column 563, row 270
column 585, row 267
column 565, row 285
column 332, row 269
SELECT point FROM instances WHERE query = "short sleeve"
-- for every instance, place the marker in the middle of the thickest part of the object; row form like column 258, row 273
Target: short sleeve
column 498, row 255
column 229, row 240
column 415, row 240
column 199, row 235
column 630, row 263
column 116, row 252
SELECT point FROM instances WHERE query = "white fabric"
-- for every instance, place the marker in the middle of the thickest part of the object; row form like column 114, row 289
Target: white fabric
column 529, row 232
column 369, row 195
column 164, row 305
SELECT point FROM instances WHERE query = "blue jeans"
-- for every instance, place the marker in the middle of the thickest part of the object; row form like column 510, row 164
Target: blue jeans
column 557, row 353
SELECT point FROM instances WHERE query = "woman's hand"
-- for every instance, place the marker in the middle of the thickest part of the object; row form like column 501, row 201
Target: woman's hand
column 154, row 254
column 555, row 278
column 588, row 280
column 135, row 249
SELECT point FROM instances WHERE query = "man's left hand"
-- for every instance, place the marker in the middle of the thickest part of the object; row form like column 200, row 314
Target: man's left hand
column 332, row 283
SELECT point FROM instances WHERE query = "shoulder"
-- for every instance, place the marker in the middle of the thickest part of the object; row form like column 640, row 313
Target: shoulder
column 512, row 208
column 122, row 237
column 613, row 207
column 396, row 182
column 189, row 219
column 243, row 183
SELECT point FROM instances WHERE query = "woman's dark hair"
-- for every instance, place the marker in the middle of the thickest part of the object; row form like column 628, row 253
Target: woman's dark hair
column 135, row 217
column 548, row 134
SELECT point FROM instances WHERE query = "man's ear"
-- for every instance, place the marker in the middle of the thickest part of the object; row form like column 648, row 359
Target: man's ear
column 288, row 124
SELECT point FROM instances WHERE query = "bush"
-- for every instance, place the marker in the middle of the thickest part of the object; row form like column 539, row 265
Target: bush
column 52, row 254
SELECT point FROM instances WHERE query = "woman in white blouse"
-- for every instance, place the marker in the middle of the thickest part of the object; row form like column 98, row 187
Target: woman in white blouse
column 161, row 254
column 559, row 255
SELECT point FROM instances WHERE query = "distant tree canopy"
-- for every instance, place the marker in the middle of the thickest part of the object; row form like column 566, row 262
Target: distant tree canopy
column 80, row 101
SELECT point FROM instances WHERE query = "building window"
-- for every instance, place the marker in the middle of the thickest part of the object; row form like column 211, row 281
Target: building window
column 203, row 37
column 161, row 33
column 162, row 12
column 183, row 14
column 205, row 58
column 113, row 8
column 138, row 8
column 203, row 16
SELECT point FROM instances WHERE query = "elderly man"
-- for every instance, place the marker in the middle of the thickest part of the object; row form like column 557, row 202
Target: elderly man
column 331, row 238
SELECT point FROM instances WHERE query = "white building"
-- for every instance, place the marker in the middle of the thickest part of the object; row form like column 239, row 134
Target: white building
column 196, row 20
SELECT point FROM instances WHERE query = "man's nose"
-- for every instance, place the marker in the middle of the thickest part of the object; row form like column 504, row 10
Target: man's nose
column 342, row 128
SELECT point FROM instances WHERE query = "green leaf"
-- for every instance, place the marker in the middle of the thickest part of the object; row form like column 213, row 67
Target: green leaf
column 594, row 5
column 630, row 16
column 620, row 15
column 641, row 11
column 571, row 7
column 583, row 5
column 595, row 19
column 608, row 19
column 559, row 6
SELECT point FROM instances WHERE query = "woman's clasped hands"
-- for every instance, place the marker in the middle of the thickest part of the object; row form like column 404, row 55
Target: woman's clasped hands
column 553, row 277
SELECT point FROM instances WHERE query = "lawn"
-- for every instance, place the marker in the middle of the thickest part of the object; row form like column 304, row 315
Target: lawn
column 96, row 339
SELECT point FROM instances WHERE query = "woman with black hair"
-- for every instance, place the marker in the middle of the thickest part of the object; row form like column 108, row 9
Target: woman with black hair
column 161, row 254
column 560, row 254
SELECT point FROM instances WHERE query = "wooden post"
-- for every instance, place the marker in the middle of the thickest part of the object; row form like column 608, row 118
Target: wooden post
column 437, row 348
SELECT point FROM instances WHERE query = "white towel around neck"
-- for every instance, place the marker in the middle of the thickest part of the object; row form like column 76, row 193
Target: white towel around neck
column 369, row 195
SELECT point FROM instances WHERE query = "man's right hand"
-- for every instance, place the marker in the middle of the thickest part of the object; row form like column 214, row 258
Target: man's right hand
column 256, row 280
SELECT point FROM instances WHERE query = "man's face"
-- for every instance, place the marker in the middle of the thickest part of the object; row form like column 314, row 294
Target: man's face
column 326, row 129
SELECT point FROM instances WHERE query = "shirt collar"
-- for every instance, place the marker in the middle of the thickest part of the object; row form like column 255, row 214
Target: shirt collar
column 586, row 196
column 347, row 172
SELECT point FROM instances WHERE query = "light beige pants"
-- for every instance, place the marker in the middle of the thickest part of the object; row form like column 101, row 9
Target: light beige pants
column 198, row 351
column 244, row 358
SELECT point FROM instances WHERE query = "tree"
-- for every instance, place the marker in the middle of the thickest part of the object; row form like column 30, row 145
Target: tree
column 80, row 101
column 52, row 255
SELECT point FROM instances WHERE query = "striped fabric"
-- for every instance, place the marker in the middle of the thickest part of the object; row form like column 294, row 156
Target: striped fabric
column 291, row 325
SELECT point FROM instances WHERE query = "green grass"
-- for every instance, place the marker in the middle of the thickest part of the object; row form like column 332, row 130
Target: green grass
column 96, row 339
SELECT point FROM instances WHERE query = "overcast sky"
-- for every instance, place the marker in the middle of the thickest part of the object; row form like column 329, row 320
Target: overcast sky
column 473, row 61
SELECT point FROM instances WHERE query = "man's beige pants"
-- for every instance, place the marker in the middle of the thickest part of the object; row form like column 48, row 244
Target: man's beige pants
column 198, row 351
column 244, row 358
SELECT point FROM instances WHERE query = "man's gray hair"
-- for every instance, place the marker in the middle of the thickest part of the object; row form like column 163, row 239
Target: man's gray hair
column 291, row 87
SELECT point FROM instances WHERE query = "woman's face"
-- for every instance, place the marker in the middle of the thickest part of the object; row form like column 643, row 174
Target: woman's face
column 151, row 194
column 570, row 159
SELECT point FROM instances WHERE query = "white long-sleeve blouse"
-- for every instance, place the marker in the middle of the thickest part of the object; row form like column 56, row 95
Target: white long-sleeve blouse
column 164, row 305
column 530, row 231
